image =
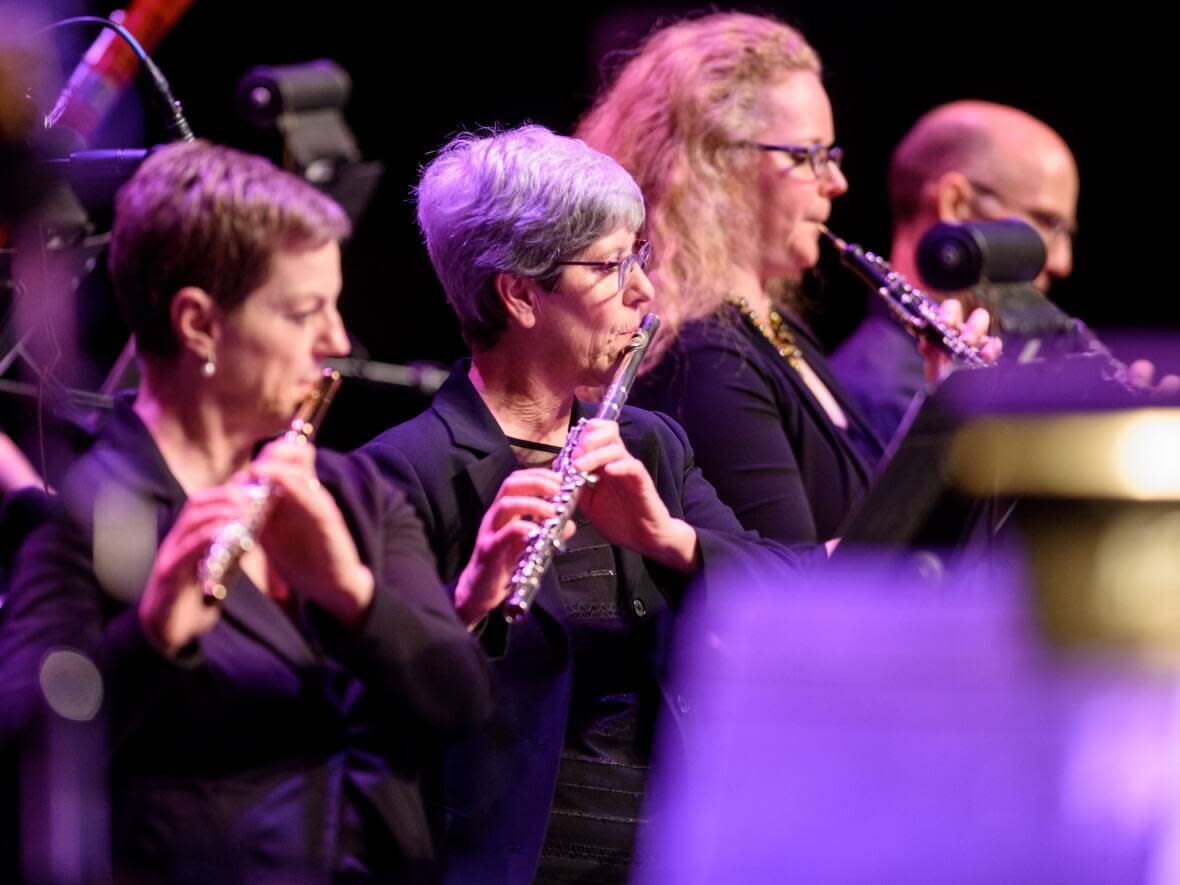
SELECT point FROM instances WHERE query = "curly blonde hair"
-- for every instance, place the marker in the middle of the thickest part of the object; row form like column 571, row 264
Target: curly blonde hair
column 671, row 118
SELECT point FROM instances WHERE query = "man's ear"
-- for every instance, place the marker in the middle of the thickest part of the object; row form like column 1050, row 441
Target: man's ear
column 954, row 197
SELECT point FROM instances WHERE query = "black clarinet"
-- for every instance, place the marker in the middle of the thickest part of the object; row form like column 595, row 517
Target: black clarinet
column 914, row 309
column 545, row 539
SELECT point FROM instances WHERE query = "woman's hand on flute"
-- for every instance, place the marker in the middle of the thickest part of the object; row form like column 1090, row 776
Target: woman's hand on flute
column 173, row 611
column 623, row 502
column 521, row 504
column 305, row 537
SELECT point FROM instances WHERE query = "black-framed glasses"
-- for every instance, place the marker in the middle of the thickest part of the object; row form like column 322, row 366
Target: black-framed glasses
column 822, row 158
column 641, row 257
column 1050, row 223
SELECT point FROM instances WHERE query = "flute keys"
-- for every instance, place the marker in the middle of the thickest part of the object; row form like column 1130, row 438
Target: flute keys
column 213, row 593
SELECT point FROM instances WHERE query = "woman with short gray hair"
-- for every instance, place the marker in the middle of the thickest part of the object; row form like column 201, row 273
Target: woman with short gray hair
column 516, row 202
column 534, row 239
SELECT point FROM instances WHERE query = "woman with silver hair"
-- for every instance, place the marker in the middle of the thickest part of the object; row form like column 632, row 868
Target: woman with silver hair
column 534, row 238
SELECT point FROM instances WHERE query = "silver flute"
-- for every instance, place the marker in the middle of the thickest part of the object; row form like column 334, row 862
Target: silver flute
column 220, row 564
column 545, row 540
column 913, row 308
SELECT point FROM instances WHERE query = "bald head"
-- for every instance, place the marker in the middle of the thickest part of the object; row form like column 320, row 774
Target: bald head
column 972, row 160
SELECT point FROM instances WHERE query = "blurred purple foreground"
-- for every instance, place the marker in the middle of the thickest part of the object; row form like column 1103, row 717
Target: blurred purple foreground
column 859, row 730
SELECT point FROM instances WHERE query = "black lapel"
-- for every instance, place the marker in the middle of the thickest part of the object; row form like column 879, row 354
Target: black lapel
column 259, row 616
column 127, row 457
column 473, row 428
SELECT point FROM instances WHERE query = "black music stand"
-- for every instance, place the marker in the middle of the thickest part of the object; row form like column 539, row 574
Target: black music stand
column 912, row 508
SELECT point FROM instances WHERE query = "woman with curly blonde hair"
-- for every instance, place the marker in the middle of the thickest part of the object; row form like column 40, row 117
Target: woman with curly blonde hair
column 724, row 123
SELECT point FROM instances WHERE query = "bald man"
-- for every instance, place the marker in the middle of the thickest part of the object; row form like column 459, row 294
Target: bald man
column 964, row 161
column 974, row 160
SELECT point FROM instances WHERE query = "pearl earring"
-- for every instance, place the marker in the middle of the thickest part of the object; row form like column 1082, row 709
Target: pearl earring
column 210, row 367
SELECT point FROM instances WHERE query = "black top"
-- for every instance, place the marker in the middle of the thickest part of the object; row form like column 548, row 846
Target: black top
column 284, row 747
column 602, row 776
column 760, row 436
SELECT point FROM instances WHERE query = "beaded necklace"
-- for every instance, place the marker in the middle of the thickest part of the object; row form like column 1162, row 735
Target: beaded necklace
column 777, row 332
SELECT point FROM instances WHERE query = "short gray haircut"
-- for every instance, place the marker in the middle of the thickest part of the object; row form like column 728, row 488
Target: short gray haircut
column 515, row 202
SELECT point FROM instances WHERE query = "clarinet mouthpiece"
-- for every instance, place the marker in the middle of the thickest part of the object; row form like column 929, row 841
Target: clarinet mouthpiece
column 835, row 240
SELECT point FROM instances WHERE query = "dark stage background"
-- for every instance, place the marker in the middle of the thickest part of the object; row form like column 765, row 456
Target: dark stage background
column 422, row 73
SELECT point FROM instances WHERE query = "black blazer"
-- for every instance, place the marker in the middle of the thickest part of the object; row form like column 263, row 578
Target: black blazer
column 497, row 788
column 283, row 742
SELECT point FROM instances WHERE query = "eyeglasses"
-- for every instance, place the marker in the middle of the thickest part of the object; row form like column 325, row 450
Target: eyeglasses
column 822, row 158
column 1051, row 225
column 641, row 256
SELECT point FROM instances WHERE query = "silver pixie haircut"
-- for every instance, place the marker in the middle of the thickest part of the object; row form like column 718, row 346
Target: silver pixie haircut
column 515, row 202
